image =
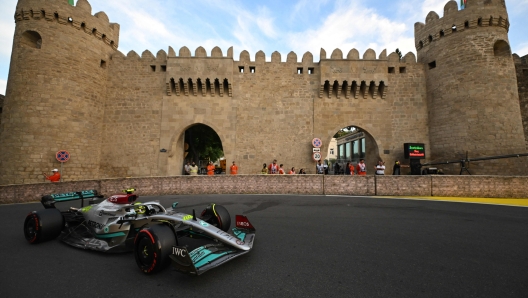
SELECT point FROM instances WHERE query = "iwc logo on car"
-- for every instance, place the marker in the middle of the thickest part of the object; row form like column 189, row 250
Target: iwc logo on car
column 178, row 251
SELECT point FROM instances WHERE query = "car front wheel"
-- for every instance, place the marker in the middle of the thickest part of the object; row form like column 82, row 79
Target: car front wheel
column 153, row 247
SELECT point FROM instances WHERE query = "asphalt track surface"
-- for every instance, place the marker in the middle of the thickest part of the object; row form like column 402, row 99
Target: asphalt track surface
column 306, row 246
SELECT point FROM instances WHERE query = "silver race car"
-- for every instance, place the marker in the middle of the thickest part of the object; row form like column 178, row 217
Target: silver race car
column 157, row 235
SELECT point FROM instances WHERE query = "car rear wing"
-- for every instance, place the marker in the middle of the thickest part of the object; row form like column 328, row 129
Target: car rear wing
column 48, row 201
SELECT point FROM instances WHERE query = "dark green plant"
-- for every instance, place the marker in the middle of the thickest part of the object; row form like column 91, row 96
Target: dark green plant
column 204, row 143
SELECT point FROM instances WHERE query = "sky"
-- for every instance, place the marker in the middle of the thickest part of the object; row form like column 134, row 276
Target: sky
column 273, row 25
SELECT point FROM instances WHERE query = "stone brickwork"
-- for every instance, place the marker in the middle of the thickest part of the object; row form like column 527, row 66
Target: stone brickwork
column 56, row 91
column 126, row 115
column 472, row 86
column 521, row 66
column 347, row 185
column 412, row 186
column 479, row 186
column 131, row 130
column 404, row 186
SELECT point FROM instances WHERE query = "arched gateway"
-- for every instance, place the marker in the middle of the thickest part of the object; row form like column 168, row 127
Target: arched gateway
column 181, row 148
column 351, row 144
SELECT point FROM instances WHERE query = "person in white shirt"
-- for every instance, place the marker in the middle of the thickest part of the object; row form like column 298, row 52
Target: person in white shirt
column 380, row 168
column 361, row 168
column 319, row 168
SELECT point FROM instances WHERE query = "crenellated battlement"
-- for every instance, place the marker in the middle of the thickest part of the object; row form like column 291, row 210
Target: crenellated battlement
column 80, row 17
column 213, row 75
column 184, row 52
column 147, row 55
column 477, row 14
column 520, row 60
column 307, row 58
column 260, row 56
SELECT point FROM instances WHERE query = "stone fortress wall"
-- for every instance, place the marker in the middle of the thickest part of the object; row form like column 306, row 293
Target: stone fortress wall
column 521, row 66
column 269, row 110
column 115, row 112
column 56, row 90
column 472, row 85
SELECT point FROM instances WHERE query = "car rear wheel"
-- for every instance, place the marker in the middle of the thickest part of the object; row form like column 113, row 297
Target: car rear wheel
column 153, row 247
column 218, row 216
column 43, row 225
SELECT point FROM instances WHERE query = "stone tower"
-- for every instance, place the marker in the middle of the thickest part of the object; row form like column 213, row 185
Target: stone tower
column 56, row 89
column 472, row 97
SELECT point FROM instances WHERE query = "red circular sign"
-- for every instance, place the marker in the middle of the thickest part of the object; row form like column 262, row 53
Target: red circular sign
column 316, row 156
column 62, row 156
column 317, row 143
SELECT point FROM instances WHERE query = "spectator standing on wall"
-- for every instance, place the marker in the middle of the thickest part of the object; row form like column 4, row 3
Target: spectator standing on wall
column 396, row 168
column 380, row 168
column 194, row 169
column 187, row 168
column 264, row 170
column 292, row 171
column 347, row 168
column 319, row 168
column 233, row 169
column 210, row 169
column 361, row 168
column 273, row 167
column 281, row 170
column 351, row 168
column 301, row 171
column 55, row 177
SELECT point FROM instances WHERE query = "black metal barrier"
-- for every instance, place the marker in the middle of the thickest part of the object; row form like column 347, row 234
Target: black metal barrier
column 464, row 163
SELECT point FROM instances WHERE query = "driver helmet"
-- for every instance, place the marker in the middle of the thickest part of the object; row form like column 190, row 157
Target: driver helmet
column 140, row 209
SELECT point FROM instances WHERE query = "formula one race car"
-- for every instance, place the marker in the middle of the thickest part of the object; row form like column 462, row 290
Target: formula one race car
column 155, row 234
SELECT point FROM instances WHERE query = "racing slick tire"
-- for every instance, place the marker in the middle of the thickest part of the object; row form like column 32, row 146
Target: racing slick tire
column 219, row 216
column 153, row 247
column 43, row 225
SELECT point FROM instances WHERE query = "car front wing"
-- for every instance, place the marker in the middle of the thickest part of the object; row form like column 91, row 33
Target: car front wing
column 212, row 255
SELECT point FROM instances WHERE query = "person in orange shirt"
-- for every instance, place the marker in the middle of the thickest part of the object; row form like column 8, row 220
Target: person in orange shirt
column 292, row 171
column 234, row 169
column 53, row 178
column 273, row 168
column 361, row 168
column 281, row 170
column 351, row 166
column 210, row 169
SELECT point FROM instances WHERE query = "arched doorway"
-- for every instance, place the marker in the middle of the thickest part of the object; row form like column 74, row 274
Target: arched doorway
column 204, row 142
column 201, row 145
column 348, row 146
